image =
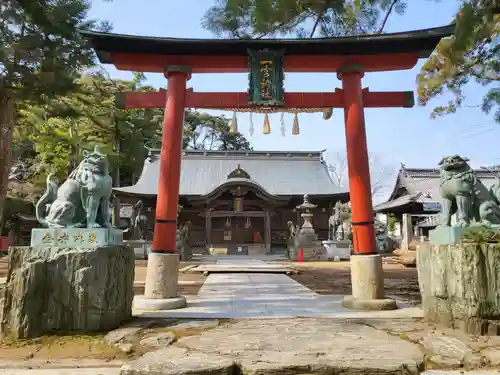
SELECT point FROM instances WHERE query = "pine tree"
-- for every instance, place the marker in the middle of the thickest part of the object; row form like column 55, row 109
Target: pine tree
column 302, row 18
column 41, row 54
column 471, row 54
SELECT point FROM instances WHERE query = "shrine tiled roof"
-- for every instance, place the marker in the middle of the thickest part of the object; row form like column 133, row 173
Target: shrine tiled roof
column 421, row 41
column 278, row 173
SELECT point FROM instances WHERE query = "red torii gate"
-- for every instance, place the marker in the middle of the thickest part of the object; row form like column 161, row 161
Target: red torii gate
column 349, row 57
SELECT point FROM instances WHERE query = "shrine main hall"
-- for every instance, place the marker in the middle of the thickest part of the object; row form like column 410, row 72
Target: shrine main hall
column 242, row 199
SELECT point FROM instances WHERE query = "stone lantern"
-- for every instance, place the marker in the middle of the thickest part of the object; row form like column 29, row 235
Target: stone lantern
column 307, row 215
column 307, row 235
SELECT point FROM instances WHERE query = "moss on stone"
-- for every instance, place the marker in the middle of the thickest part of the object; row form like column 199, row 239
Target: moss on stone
column 460, row 284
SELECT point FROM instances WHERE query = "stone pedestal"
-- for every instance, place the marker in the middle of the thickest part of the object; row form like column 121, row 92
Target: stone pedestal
column 162, row 280
column 308, row 252
column 460, row 286
column 367, row 280
column 337, row 249
column 58, row 289
column 446, row 235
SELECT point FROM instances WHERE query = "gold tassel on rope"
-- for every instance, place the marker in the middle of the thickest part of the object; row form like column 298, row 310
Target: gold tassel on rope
column 295, row 128
column 267, row 125
column 234, row 124
column 327, row 113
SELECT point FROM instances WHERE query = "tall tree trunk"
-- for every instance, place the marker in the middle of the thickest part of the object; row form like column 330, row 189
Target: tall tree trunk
column 6, row 128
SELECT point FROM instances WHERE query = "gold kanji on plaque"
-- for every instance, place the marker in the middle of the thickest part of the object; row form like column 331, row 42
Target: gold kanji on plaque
column 92, row 238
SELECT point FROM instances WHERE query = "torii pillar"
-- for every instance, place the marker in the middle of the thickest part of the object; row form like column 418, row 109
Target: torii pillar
column 162, row 277
column 367, row 275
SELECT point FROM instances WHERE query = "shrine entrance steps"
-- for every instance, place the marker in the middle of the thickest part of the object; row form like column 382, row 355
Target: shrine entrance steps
column 244, row 264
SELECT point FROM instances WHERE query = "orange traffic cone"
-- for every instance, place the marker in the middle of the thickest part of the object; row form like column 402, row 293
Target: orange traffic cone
column 301, row 256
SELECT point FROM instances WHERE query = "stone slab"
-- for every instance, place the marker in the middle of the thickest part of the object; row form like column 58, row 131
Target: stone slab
column 179, row 361
column 307, row 346
column 445, row 235
column 330, row 308
column 84, row 238
column 242, row 264
column 239, row 269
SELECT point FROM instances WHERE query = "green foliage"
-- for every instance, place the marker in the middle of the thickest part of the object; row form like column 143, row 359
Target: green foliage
column 391, row 222
column 41, row 55
column 50, row 137
column 471, row 54
column 205, row 132
column 303, row 18
column 481, row 234
column 41, row 52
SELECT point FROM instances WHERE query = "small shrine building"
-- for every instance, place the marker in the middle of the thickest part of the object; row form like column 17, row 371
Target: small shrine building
column 237, row 199
column 416, row 193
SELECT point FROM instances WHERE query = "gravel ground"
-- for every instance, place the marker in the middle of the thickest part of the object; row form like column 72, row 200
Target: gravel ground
column 335, row 278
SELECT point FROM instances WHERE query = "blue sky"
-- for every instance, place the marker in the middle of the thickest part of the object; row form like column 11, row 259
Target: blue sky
column 397, row 135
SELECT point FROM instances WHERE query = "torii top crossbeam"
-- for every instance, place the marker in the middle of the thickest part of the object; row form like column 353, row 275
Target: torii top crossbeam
column 381, row 52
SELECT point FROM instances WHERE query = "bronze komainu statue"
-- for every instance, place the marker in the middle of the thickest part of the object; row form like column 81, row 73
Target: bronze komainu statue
column 82, row 200
column 464, row 194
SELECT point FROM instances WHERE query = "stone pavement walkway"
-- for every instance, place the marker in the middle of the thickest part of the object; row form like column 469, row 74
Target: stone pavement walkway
column 287, row 346
column 292, row 344
column 318, row 346
column 117, row 371
column 264, row 295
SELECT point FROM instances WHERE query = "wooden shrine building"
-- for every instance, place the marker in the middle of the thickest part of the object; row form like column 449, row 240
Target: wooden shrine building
column 242, row 199
column 416, row 192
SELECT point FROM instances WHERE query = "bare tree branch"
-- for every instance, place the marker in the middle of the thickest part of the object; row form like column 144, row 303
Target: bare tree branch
column 380, row 173
column 337, row 167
